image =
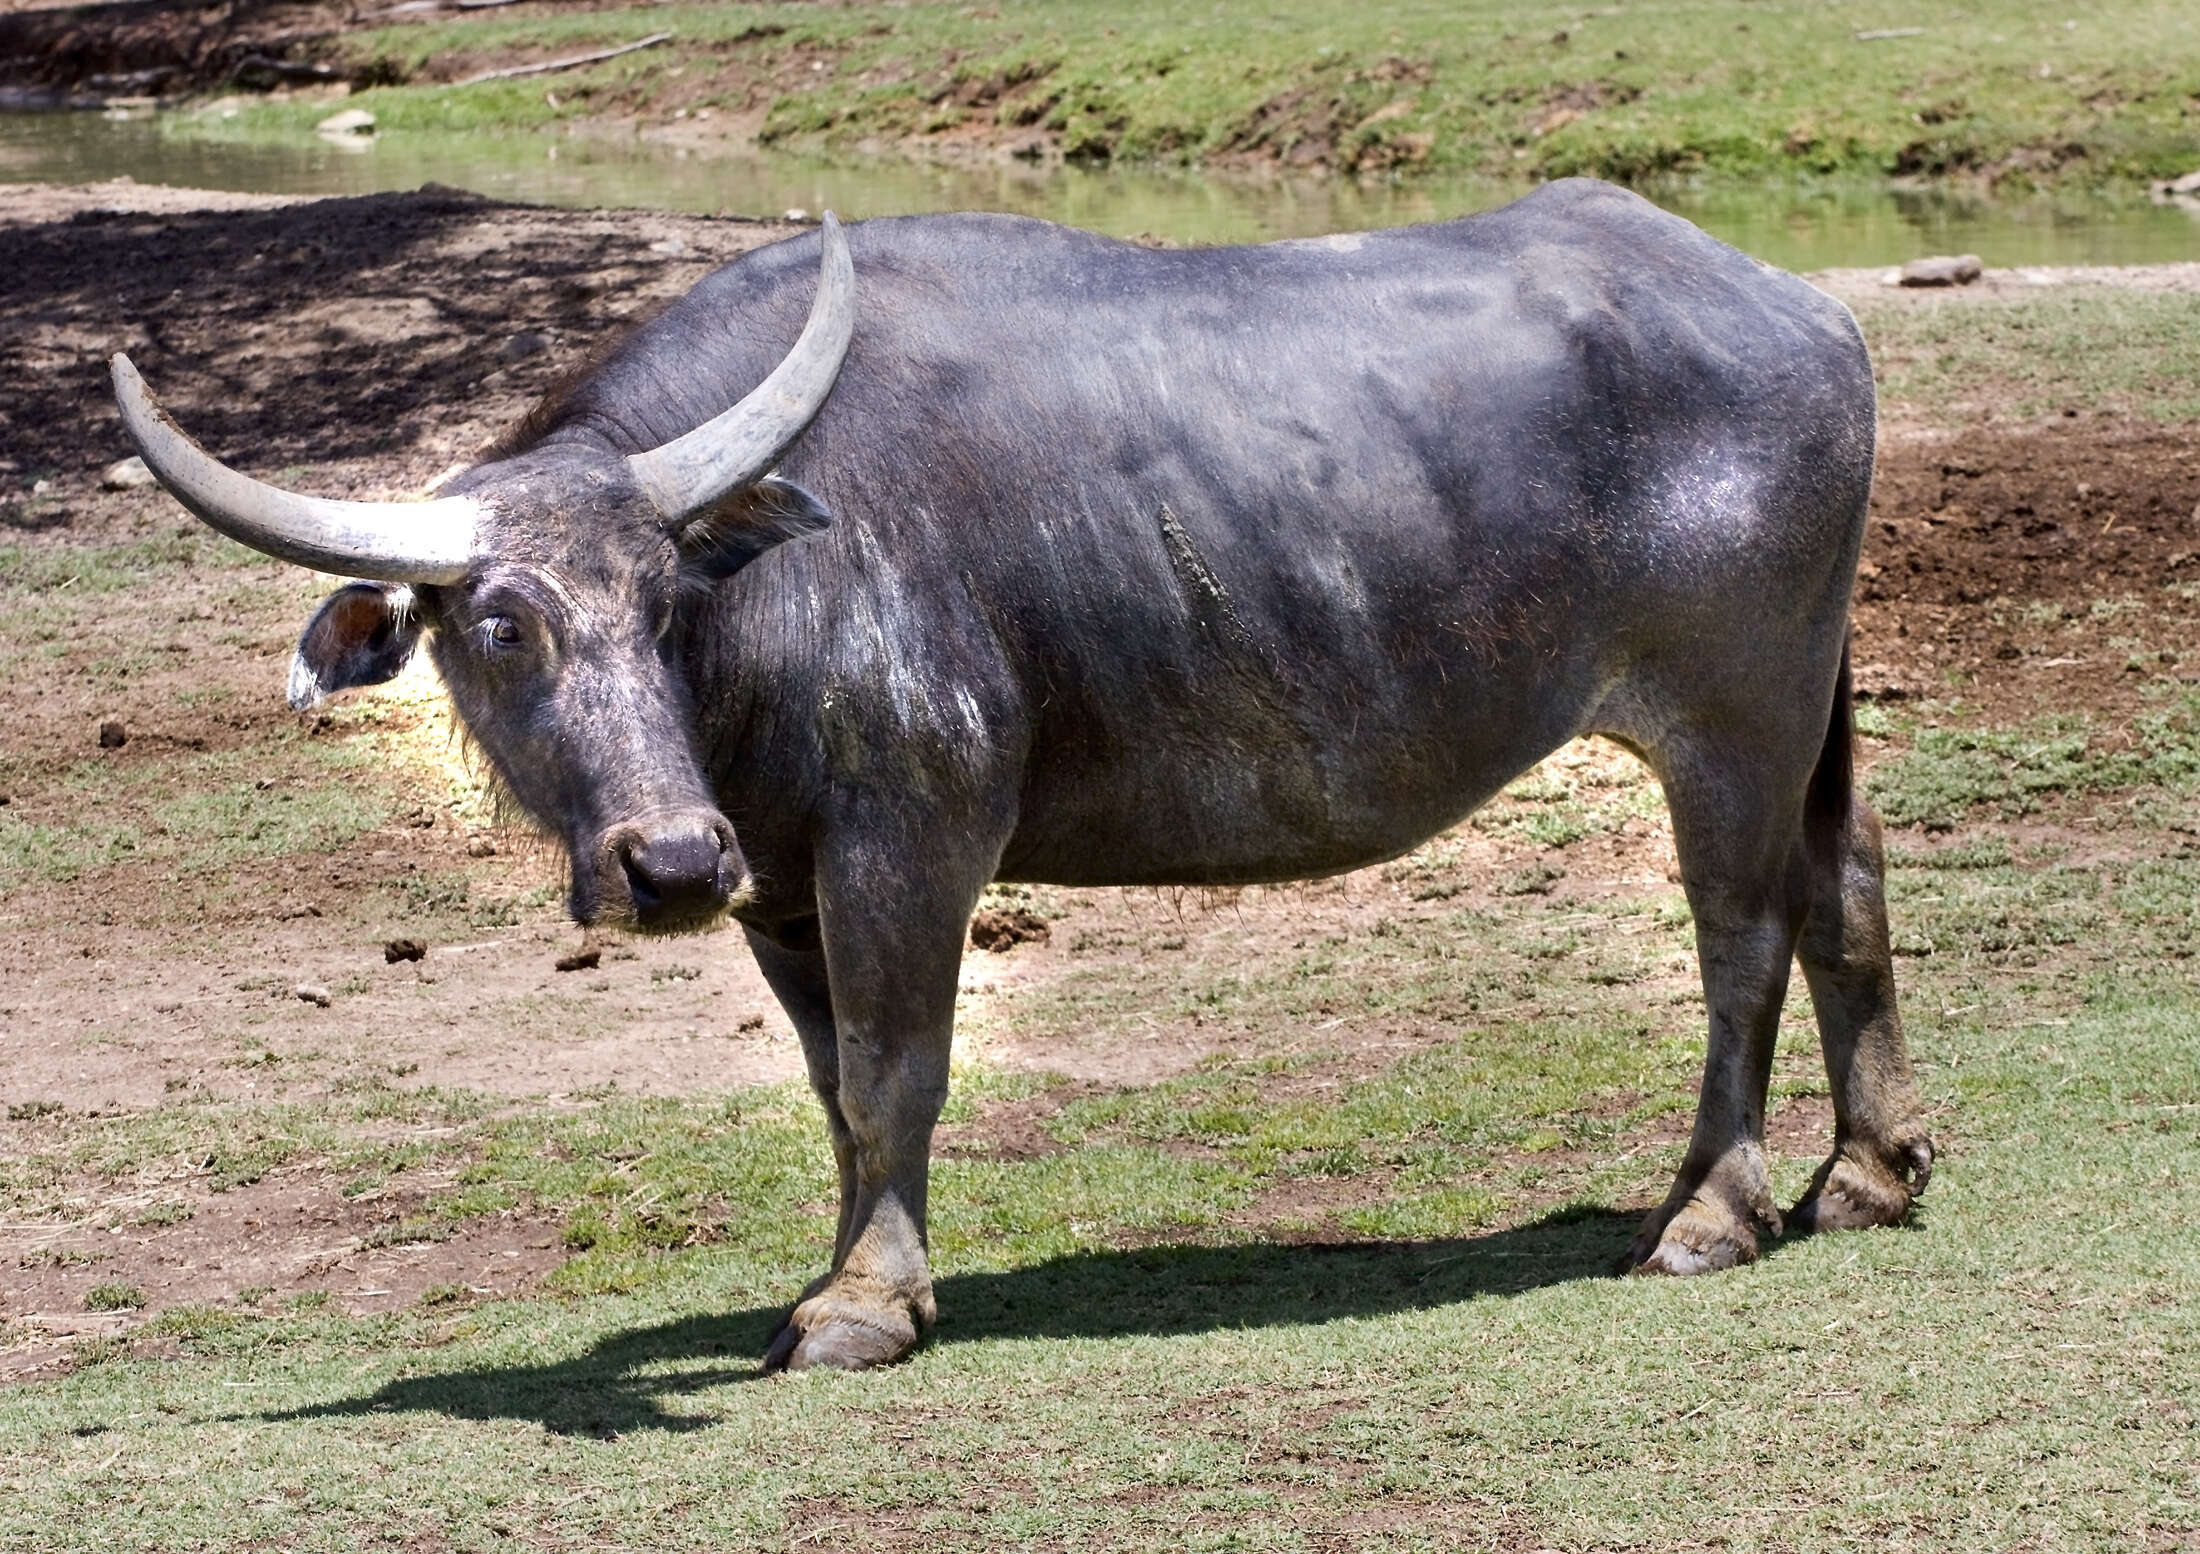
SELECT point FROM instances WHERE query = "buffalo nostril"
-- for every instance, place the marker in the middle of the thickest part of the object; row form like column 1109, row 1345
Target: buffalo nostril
column 638, row 882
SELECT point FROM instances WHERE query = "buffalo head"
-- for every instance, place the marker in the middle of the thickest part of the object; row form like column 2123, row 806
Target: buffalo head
column 545, row 584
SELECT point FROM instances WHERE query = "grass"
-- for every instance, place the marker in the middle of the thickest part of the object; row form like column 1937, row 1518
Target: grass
column 2109, row 351
column 1948, row 771
column 200, row 814
column 1493, row 87
column 2010, row 1372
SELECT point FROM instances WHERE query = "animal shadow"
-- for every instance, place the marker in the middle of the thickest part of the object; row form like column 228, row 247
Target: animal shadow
column 631, row 1380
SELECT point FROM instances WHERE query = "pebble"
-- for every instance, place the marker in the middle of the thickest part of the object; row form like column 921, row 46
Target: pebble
column 112, row 735
column 794, row 213
column 312, row 993
column 584, row 959
column 403, row 949
column 352, row 121
column 128, row 474
column 1943, row 270
column 671, row 247
column 521, row 346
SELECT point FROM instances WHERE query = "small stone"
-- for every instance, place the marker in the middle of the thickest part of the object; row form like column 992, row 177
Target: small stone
column 312, row 993
column 112, row 735
column 403, row 949
column 523, row 345
column 481, row 847
column 794, row 213
column 2187, row 187
column 352, row 121
column 128, row 474
column 671, row 247
column 586, row 958
column 1943, row 270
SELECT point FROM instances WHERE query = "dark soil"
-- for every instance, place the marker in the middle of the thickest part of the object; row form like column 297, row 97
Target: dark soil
column 2070, row 513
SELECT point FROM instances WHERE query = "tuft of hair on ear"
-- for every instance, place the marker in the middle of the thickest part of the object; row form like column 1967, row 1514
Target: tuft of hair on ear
column 736, row 529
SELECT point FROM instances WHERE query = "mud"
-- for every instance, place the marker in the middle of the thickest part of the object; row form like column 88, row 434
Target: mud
column 354, row 347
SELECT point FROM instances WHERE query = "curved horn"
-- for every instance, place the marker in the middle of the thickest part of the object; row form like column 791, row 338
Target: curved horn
column 734, row 448
column 391, row 542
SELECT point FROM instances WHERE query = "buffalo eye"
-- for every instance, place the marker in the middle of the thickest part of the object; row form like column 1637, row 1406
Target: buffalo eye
column 502, row 630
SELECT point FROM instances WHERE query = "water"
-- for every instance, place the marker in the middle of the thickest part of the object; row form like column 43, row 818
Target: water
column 1801, row 226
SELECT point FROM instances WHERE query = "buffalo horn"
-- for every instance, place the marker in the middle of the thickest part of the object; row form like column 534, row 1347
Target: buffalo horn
column 738, row 446
column 390, row 542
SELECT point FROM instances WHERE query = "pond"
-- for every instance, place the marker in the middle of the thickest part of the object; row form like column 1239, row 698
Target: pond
column 1802, row 226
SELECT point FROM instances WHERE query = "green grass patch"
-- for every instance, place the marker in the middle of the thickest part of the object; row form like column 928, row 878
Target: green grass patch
column 2027, row 1336
column 2106, row 350
column 1949, row 771
column 100, row 569
column 1507, row 88
column 204, row 813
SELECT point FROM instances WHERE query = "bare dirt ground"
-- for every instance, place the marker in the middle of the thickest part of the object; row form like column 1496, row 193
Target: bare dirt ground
column 362, row 346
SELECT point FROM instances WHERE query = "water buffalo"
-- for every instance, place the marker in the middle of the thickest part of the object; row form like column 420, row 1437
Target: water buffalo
column 1045, row 557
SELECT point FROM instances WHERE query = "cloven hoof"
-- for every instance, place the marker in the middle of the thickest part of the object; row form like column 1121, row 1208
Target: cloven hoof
column 839, row 1340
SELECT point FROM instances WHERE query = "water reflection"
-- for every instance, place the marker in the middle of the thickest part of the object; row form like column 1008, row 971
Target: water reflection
column 1802, row 226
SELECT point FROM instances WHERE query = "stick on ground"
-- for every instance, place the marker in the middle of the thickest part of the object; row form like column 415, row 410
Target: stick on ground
column 548, row 65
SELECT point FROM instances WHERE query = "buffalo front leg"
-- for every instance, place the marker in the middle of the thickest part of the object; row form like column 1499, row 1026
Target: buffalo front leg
column 1744, row 886
column 1882, row 1157
column 891, row 957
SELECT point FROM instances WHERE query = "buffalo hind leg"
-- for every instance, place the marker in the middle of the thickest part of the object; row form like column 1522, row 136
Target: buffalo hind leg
column 1882, row 1157
column 892, row 954
column 1738, row 837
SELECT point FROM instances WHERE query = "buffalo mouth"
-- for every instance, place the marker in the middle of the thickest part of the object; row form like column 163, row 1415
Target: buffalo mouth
column 666, row 873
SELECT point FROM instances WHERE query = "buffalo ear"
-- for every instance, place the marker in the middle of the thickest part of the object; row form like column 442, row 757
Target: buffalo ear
column 734, row 531
column 361, row 635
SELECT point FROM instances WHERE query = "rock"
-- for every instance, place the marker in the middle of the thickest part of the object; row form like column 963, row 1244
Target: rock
column 794, row 213
column 312, row 993
column 112, row 735
column 1943, row 270
column 403, row 949
column 521, row 346
column 1001, row 930
column 2185, row 188
column 586, row 958
column 481, row 847
column 672, row 247
column 128, row 474
column 352, row 121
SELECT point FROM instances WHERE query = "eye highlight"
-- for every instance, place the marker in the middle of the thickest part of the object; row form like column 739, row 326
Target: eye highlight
column 501, row 631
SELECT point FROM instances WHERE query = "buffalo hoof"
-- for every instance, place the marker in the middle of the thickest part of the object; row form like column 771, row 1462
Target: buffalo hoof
column 831, row 1332
column 1854, row 1191
column 1701, row 1238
